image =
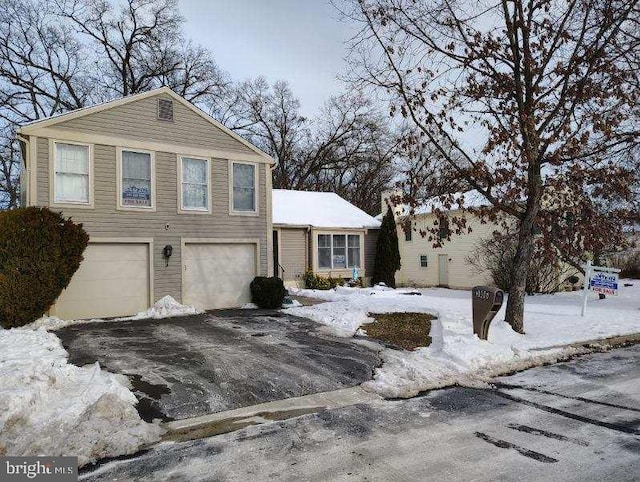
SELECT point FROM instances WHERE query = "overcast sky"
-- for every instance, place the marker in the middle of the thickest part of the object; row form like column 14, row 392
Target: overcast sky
column 301, row 41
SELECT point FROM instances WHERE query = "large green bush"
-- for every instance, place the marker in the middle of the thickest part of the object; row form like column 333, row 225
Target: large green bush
column 40, row 251
column 387, row 252
column 267, row 292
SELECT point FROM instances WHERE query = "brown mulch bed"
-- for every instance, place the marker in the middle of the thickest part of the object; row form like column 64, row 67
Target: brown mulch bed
column 405, row 330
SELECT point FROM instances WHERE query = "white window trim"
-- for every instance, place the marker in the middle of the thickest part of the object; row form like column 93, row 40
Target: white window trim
column 125, row 207
column 346, row 271
column 256, row 200
column 186, row 210
column 52, row 177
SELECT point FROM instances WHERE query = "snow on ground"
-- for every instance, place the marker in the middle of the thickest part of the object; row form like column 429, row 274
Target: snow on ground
column 456, row 355
column 50, row 407
column 166, row 307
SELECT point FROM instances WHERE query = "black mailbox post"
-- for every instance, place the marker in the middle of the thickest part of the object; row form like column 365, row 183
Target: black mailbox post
column 486, row 304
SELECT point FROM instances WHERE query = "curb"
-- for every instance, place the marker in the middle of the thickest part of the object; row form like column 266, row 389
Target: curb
column 599, row 343
column 232, row 420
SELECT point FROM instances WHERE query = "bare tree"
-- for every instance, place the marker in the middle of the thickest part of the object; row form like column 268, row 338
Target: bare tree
column 348, row 148
column 549, row 89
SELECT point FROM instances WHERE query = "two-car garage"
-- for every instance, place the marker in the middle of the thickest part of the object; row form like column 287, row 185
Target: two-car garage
column 116, row 277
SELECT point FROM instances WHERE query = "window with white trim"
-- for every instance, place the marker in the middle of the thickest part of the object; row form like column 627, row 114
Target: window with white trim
column 72, row 171
column 338, row 251
column 195, row 184
column 244, row 187
column 136, row 179
column 423, row 261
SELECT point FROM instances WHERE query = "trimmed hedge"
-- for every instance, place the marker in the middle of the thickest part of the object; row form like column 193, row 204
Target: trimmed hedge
column 40, row 250
column 314, row 282
column 267, row 292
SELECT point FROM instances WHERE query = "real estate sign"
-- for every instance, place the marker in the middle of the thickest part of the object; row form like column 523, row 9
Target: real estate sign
column 604, row 283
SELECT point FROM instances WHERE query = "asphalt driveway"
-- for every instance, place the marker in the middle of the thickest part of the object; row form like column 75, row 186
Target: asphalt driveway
column 194, row 365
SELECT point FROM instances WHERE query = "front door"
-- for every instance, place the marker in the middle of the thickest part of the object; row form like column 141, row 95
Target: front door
column 443, row 270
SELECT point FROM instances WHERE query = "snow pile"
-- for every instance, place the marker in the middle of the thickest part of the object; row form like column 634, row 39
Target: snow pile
column 456, row 355
column 166, row 307
column 50, row 407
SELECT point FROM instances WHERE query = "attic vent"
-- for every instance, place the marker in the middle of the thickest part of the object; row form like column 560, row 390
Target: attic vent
column 165, row 109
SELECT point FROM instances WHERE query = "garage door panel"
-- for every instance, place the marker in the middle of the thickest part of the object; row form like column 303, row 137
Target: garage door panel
column 110, row 270
column 113, row 280
column 99, row 289
column 218, row 275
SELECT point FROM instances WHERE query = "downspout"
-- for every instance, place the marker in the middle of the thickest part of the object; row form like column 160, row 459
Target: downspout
column 26, row 168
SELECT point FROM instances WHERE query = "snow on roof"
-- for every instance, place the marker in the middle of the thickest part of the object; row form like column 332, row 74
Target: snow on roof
column 472, row 199
column 319, row 210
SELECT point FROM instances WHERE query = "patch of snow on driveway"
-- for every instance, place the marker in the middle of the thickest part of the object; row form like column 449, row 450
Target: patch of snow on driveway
column 456, row 355
column 50, row 407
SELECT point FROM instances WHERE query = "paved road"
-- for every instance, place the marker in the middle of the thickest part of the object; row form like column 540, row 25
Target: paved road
column 195, row 365
column 578, row 420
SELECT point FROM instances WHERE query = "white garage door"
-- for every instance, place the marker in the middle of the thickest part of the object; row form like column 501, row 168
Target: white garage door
column 113, row 280
column 218, row 275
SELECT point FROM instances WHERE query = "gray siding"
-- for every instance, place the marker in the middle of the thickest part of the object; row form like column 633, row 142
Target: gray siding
column 138, row 120
column 293, row 253
column 106, row 221
column 370, row 240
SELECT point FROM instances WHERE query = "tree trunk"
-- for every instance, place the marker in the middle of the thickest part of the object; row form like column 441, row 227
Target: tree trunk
column 515, row 302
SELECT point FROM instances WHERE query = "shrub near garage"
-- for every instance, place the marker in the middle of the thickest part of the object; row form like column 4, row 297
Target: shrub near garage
column 267, row 292
column 40, row 250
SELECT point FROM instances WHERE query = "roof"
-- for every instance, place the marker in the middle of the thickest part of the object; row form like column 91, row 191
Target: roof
column 74, row 114
column 471, row 199
column 318, row 210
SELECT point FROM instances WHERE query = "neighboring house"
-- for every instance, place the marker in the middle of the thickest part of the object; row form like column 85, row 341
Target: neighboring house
column 422, row 264
column 321, row 232
column 174, row 203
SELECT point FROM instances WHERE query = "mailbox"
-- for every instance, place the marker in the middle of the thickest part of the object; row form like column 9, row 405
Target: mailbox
column 486, row 304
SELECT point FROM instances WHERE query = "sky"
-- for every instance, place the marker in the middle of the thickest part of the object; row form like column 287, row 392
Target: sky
column 301, row 41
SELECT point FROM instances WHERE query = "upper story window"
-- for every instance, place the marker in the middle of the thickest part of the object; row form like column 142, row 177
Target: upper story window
column 195, row 184
column 407, row 231
column 136, row 181
column 338, row 251
column 72, row 171
column 244, row 188
column 443, row 228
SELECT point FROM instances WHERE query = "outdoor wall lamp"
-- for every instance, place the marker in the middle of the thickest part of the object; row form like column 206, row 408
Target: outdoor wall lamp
column 167, row 251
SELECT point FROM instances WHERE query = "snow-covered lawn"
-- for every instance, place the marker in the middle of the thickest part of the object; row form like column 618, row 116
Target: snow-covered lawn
column 456, row 355
column 51, row 407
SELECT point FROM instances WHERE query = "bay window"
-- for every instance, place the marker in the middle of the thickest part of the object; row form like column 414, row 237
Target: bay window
column 338, row 251
column 195, row 184
column 71, row 173
column 136, row 171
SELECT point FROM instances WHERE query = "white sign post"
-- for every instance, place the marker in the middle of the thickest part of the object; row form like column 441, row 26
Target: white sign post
column 599, row 279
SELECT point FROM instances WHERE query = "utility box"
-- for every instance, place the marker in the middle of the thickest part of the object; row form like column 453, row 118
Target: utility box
column 487, row 301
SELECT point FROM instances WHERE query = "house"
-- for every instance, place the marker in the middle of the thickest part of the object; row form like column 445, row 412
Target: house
column 323, row 233
column 174, row 203
column 423, row 265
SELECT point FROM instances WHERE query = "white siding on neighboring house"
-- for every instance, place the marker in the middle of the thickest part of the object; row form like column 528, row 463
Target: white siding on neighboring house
column 459, row 272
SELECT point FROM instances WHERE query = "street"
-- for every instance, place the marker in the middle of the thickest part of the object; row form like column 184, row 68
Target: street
column 578, row 420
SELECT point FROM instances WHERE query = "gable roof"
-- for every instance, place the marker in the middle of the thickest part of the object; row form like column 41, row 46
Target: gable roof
column 318, row 210
column 84, row 111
